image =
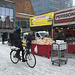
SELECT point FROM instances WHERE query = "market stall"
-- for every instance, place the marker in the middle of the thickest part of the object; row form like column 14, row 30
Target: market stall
column 42, row 50
column 71, row 48
column 42, row 23
column 42, row 47
column 65, row 19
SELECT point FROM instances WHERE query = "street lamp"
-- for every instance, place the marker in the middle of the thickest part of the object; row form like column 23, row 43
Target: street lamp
column 1, row 17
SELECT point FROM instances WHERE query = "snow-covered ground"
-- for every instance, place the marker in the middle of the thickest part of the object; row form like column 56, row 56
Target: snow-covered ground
column 43, row 65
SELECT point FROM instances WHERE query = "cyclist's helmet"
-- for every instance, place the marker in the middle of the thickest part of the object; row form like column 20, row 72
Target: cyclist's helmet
column 17, row 28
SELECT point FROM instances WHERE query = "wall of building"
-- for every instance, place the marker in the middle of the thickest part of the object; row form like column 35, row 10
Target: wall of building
column 23, row 6
column 23, row 12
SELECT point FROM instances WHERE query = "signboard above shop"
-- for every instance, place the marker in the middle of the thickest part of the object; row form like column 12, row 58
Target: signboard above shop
column 41, row 20
column 64, row 17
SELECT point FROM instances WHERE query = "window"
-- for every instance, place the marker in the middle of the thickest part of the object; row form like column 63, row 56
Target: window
column 6, row 17
column 22, row 22
column 0, row 10
column 16, row 23
column 3, row 22
column 7, row 12
column 37, row 35
column 11, row 12
column 3, row 11
column 11, row 22
column 0, row 23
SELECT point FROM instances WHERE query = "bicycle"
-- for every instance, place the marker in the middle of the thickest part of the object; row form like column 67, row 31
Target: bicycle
column 29, row 57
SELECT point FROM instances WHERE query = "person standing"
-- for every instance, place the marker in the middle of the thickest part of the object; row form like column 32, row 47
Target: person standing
column 29, row 39
column 68, row 35
column 60, row 35
column 2, row 39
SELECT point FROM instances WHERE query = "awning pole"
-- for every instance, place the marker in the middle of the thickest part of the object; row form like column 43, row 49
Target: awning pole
column 52, row 30
column 52, row 33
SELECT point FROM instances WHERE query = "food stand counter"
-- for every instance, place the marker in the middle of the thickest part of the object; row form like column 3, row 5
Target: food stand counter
column 71, row 48
column 42, row 50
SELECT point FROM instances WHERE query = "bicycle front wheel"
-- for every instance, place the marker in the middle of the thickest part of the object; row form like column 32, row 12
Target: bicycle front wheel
column 31, row 60
column 13, row 57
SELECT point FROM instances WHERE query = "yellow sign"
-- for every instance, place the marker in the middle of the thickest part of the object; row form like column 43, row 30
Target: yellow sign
column 42, row 20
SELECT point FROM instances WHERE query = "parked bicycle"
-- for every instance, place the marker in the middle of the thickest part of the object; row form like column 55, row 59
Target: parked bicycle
column 28, row 56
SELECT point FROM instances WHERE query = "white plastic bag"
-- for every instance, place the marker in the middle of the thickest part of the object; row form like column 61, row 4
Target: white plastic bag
column 59, row 41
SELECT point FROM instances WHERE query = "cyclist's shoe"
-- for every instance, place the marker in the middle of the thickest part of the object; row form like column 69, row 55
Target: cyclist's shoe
column 24, row 60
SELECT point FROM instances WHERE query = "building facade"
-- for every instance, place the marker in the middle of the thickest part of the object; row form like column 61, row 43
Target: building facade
column 46, row 6
column 14, row 13
column 7, row 10
column 18, row 12
column 7, row 16
column 23, row 12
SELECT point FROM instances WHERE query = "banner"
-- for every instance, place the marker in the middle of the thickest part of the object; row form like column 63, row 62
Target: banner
column 42, row 20
column 64, row 17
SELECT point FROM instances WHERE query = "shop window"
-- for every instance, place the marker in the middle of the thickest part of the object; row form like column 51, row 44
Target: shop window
column 7, row 19
column 0, row 24
column 11, row 12
column 11, row 22
column 3, row 11
column 0, row 10
column 22, row 22
column 37, row 35
column 17, row 23
column 3, row 22
column 28, row 23
column 7, row 12
column 11, row 19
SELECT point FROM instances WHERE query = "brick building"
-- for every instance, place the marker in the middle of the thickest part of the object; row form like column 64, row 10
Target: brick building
column 23, row 12
column 14, row 13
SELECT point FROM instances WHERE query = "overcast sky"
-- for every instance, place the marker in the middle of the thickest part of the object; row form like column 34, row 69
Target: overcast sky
column 73, row 2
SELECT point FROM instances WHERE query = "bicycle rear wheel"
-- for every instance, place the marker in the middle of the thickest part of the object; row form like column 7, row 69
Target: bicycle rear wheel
column 13, row 57
column 31, row 60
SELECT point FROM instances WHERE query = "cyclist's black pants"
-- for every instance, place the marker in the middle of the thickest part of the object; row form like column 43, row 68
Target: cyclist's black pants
column 21, row 49
column 28, row 45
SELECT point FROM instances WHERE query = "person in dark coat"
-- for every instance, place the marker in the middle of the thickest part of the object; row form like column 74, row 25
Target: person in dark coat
column 2, row 39
column 60, row 35
column 29, row 39
column 17, row 42
column 11, row 39
column 68, row 35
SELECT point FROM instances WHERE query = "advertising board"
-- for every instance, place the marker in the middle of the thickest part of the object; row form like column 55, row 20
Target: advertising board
column 42, row 20
column 64, row 17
